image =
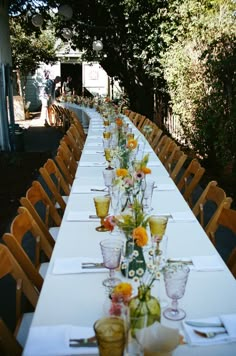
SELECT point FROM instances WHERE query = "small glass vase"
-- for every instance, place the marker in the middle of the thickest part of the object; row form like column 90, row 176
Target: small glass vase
column 144, row 310
column 134, row 264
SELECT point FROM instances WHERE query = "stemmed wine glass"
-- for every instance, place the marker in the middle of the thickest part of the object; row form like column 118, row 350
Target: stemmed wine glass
column 108, row 176
column 108, row 156
column 147, row 195
column 111, row 251
column 175, row 277
column 157, row 226
column 102, row 204
column 115, row 203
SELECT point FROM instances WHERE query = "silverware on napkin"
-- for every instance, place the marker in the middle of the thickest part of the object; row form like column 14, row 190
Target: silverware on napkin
column 209, row 334
column 93, row 217
column 89, row 342
column 87, row 265
column 202, row 324
column 176, row 260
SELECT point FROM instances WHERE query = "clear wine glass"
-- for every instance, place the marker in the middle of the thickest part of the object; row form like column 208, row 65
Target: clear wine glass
column 115, row 205
column 111, row 251
column 175, row 277
column 108, row 176
column 147, row 195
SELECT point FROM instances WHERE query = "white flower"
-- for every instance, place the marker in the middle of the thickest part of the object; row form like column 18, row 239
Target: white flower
column 131, row 273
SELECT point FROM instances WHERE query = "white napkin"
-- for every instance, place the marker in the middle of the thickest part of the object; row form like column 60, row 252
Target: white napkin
column 163, row 187
column 92, row 164
column 85, row 189
column 94, row 136
column 94, row 144
column 153, row 164
column 54, row 340
column 202, row 263
column 207, row 263
column 229, row 322
column 81, row 216
column 92, row 152
column 73, row 265
column 158, row 338
column 183, row 216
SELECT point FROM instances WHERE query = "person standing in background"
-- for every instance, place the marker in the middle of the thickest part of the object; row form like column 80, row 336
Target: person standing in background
column 67, row 88
column 48, row 98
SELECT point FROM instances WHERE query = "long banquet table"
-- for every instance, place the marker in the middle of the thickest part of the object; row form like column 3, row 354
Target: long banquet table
column 78, row 299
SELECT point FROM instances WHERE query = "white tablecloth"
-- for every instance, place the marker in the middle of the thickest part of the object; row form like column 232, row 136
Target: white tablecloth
column 77, row 299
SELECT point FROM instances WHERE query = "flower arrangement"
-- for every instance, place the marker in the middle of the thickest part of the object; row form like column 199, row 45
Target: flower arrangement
column 120, row 297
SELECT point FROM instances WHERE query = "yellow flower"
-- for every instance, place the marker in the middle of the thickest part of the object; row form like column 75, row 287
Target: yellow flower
column 123, row 290
column 140, row 236
column 132, row 144
column 119, row 121
column 122, row 172
column 146, row 170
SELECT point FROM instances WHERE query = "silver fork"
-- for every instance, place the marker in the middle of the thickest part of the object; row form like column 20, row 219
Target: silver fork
column 209, row 334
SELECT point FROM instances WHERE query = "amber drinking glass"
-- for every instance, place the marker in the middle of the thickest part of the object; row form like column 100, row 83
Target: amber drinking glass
column 106, row 134
column 102, row 204
column 157, row 226
column 108, row 156
column 111, row 336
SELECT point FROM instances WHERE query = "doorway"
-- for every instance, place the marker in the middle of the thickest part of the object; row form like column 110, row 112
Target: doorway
column 74, row 70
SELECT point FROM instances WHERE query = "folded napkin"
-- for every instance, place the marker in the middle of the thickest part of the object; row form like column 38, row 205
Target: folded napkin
column 54, row 340
column 229, row 325
column 201, row 263
column 183, row 216
column 92, row 164
column 73, row 265
column 93, row 152
column 85, row 189
column 158, row 338
column 82, row 216
column 94, row 144
column 163, row 187
column 94, row 136
column 153, row 164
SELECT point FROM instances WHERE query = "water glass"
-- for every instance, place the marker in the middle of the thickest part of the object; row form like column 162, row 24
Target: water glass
column 102, row 204
column 148, row 192
column 175, row 277
column 111, row 336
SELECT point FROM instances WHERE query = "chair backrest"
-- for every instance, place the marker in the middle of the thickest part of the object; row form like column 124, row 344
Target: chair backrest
column 8, row 343
column 77, row 136
column 157, row 133
column 21, row 225
column 79, row 126
column 141, row 121
column 164, row 149
column 9, row 266
column 175, row 163
column 73, row 144
column 68, row 157
column 190, row 178
column 42, row 209
column 213, row 194
column 55, row 181
column 162, row 145
column 170, row 152
column 59, row 159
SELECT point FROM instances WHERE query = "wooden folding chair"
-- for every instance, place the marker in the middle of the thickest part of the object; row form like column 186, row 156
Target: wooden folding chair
column 25, row 227
column 226, row 219
column 76, row 136
column 214, row 196
column 8, row 343
column 162, row 146
column 64, row 168
column 156, row 136
column 190, row 178
column 55, row 182
column 68, row 157
column 175, row 163
column 9, row 266
column 76, row 121
column 72, row 144
column 141, row 121
column 43, row 211
column 169, row 152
